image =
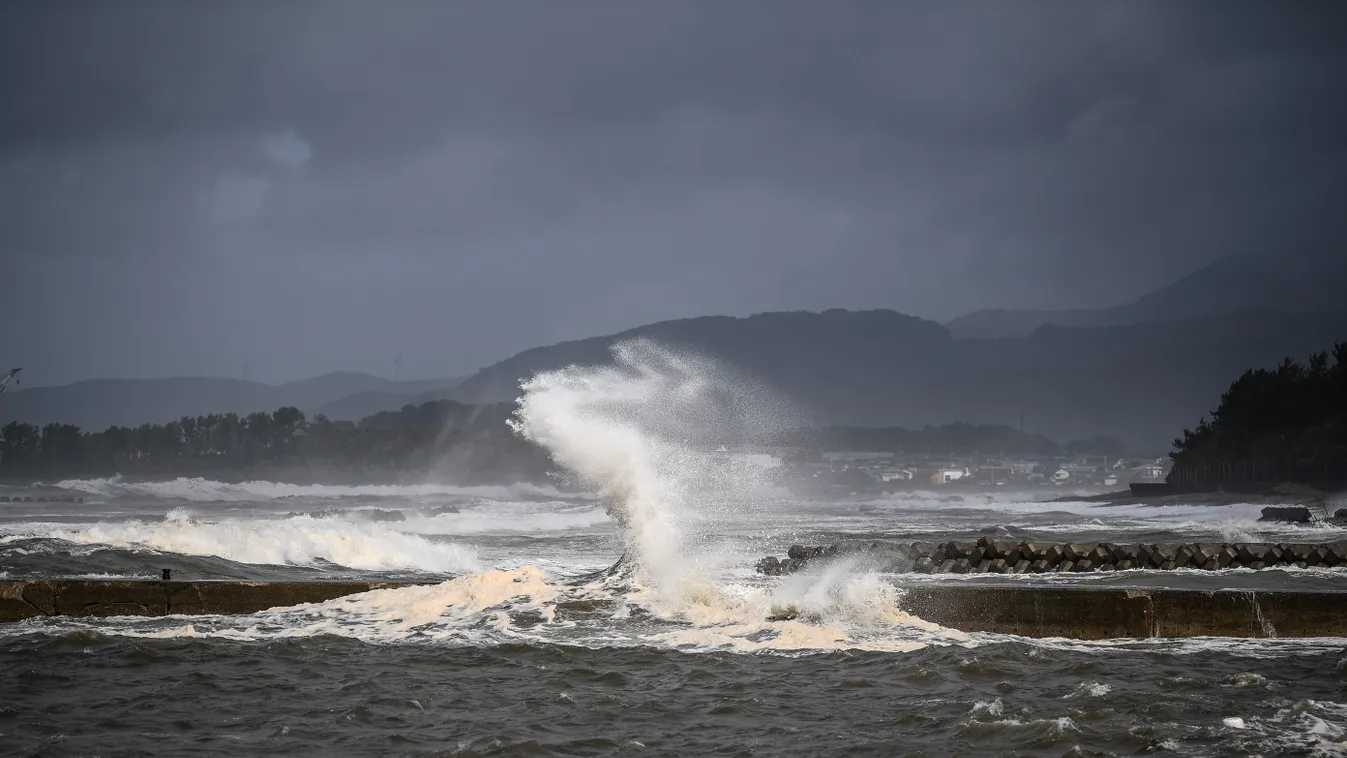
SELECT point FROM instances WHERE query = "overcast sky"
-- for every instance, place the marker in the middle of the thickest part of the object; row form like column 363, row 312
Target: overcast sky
column 320, row 186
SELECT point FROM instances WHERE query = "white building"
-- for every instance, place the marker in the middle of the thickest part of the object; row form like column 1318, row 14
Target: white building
column 896, row 475
column 947, row 475
column 1151, row 471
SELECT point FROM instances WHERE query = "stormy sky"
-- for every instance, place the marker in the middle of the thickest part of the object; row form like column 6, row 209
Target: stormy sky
column 320, row 186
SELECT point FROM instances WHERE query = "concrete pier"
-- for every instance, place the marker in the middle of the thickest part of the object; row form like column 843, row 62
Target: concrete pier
column 1087, row 613
column 1095, row 613
column 31, row 598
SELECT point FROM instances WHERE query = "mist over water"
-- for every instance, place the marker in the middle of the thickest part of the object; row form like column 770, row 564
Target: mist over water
column 641, row 434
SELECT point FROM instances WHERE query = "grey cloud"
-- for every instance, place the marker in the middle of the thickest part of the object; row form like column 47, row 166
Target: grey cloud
column 312, row 183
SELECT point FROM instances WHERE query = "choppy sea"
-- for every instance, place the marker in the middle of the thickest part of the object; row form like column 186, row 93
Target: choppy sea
column 524, row 642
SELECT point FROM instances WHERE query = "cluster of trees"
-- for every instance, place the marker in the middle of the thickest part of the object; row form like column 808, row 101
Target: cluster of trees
column 436, row 438
column 1292, row 417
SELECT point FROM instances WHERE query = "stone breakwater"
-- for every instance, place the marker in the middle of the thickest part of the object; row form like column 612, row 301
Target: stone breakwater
column 994, row 556
column 41, row 499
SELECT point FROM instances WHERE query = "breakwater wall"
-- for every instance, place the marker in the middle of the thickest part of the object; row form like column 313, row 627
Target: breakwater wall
column 988, row 555
column 30, row 598
column 1097, row 613
column 41, row 499
column 1087, row 613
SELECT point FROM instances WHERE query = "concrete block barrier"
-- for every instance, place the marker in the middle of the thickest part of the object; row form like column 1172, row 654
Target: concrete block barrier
column 1001, row 556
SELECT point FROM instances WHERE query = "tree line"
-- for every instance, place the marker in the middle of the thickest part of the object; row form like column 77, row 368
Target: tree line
column 1289, row 418
column 444, row 438
column 440, row 437
column 1293, row 415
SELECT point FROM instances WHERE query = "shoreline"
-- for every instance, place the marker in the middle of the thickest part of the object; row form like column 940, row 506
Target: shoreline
column 1286, row 493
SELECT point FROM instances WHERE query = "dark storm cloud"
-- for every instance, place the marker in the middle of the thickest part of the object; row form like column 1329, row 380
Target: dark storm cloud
column 321, row 185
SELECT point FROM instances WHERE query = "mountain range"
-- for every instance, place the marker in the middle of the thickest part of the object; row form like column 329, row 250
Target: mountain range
column 1141, row 383
column 1140, row 372
column 1238, row 282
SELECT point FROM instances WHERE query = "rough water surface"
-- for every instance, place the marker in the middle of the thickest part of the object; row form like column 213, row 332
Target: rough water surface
column 521, row 650
column 623, row 617
column 86, row 693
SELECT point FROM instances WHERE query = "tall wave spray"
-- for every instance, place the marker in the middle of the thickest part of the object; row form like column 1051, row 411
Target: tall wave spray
column 640, row 432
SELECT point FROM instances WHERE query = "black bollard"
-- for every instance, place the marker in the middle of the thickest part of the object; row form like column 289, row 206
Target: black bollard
column 165, row 573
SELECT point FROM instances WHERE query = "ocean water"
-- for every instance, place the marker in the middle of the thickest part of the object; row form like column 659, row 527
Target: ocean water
column 527, row 645
column 618, row 613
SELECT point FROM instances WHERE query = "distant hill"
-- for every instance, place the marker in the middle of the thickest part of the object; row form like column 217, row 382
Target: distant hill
column 1247, row 282
column 99, row 403
column 792, row 348
column 1241, row 282
column 1141, row 383
column 1002, row 323
column 359, row 405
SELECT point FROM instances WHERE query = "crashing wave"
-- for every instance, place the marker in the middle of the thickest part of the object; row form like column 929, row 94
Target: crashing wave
column 300, row 541
column 201, row 490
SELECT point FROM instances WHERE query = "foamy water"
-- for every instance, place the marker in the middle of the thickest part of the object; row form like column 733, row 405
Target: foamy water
column 300, row 540
column 200, row 490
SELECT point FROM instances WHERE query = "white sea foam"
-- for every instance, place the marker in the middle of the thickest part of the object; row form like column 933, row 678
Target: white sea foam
column 630, row 432
column 506, row 521
column 486, row 608
column 624, row 431
column 299, row 540
column 454, row 609
column 201, row 490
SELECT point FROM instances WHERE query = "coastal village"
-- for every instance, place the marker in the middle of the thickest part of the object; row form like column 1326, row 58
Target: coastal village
column 888, row 471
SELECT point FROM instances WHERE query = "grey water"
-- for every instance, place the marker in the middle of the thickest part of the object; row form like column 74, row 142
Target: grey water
column 500, row 655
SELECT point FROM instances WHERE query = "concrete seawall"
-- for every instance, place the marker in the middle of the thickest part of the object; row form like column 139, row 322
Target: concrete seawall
column 1095, row 613
column 23, row 599
column 1073, row 612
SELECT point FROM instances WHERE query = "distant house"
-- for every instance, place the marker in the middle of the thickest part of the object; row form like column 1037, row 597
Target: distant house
column 1151, row 471
column 1110, row 480
column 896, row 475
column 947, row 475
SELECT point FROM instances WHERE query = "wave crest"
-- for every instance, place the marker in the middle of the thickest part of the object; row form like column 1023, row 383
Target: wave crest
column 298, row 541
column 201, row 490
